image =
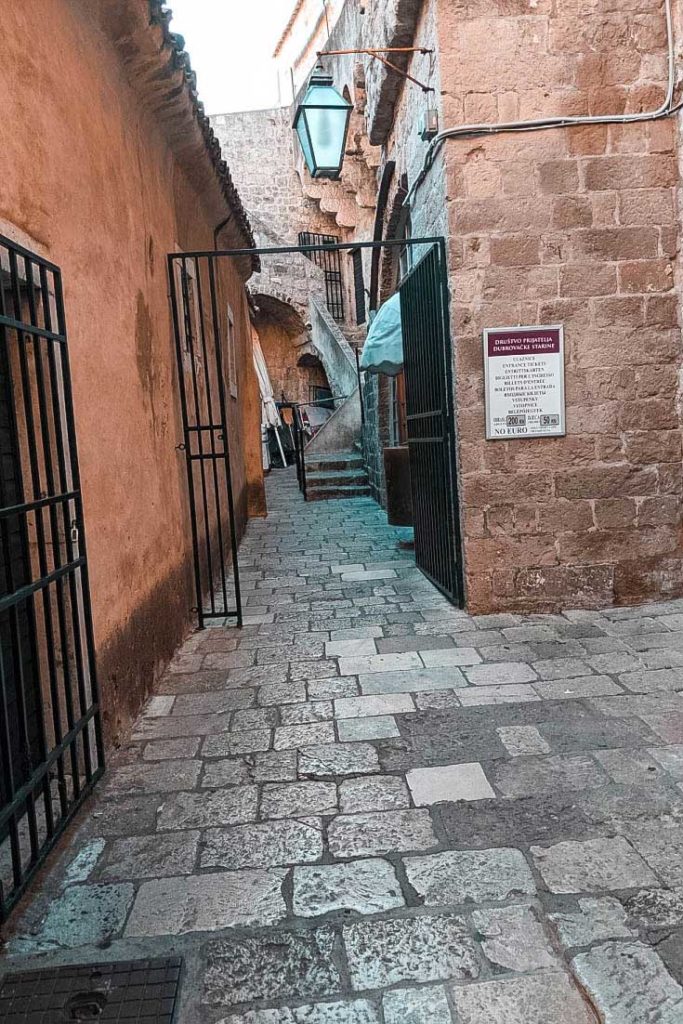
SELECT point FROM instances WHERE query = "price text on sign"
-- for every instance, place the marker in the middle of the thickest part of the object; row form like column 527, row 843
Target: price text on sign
column 524, row 379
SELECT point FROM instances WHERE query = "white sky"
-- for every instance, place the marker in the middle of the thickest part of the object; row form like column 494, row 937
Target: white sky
column 230, row 43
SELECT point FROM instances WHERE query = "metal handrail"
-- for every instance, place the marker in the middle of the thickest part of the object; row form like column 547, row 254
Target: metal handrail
column 321, row 401
column 298, row 437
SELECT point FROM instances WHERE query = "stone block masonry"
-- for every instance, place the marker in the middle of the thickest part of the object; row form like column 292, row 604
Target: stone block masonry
column 577, row 226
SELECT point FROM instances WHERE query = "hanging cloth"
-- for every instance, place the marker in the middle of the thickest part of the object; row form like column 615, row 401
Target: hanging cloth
column 383, row 349
column 270, row 416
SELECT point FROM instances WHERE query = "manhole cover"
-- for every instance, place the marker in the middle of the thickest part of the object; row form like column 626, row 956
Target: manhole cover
column 131, row 991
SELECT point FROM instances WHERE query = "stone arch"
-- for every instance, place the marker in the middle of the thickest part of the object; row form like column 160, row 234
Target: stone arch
column 399, row 218
column 295, row 364
column 277, row 311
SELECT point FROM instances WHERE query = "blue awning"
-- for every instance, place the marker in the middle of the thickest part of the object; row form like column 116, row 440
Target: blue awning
column 383, row 349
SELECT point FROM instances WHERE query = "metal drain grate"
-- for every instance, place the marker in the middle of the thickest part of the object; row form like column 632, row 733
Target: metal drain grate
column 128, row 992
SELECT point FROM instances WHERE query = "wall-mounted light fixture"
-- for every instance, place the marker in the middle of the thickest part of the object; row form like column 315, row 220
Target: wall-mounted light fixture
column 378, row 54
column 322, row 124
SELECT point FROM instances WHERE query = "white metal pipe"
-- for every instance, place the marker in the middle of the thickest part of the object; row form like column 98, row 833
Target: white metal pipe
column 542, row 124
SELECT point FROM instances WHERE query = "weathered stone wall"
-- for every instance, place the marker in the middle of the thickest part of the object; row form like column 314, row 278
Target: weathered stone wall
column 575, row 226
column 282, row 356
column 396, row 111
column 390, row 23
column 376, row 433
column 97, row 187
column 260, row 145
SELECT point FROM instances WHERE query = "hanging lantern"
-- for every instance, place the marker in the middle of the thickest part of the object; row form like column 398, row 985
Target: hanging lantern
column 322, row 123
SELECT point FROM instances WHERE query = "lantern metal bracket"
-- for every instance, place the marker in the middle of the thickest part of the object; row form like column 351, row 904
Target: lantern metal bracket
column 376, row 54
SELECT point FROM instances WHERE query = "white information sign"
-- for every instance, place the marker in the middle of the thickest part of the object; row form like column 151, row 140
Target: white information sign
column 524, row 381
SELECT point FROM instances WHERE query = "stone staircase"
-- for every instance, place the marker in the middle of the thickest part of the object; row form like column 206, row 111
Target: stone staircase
column 336, row 475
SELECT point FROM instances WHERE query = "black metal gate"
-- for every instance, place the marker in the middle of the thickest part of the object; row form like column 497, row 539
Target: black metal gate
column 203, row 346
column 51, row 751
column 204, row 335
column 329, row 261
column 431, row 420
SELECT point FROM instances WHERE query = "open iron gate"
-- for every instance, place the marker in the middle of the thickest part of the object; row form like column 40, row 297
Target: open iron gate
column 51, row 751
column 203, row 323
column 430, row 417
column 202, row 339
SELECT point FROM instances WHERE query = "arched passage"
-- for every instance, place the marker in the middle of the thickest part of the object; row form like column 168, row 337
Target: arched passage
column 297, row 369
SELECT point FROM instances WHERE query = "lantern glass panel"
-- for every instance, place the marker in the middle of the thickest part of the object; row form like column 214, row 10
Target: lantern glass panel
column 321, row 126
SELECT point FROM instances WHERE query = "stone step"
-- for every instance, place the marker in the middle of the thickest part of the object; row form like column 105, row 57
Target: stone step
column 334, row 460
column 347, row 491
column 334, row 477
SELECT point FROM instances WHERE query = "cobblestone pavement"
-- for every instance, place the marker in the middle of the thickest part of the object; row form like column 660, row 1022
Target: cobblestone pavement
column 371, row 808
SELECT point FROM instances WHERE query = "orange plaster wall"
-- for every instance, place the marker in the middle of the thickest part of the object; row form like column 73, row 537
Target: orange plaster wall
column 86, row 179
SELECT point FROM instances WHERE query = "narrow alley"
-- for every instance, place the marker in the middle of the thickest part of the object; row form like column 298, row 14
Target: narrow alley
column 368, row 806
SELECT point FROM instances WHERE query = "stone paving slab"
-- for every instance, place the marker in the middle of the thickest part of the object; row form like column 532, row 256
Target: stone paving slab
column 271, row 966
column 470, row 876
column 357, row 835
column 419, row 949
column 379, row 727
column 550, row 998
column 208, row 902
column 513, row 939
column 629, row 984
column 427, row 1005
column 597, row 865
column 364, row 886
column 448, row 783
column 263, row 846
column 368, row 807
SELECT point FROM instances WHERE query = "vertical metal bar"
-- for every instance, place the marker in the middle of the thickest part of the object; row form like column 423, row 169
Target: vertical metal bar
column 360, row 387
column 200, row 443
column 8, row 774
column 5, row 732
column 226, row 440
column 297, row 446
column 214, row 454
column 80, row 519
column 358, row 285
column 446, row 552
column 450, row 410
column 53, row 519
column 304, row 486
column 66, row 482
column 36, row 484
column 300, row 447
column 172, row 261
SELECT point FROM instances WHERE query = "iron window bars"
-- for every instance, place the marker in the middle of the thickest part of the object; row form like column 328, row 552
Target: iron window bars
column 329, row 261
column 51, row 750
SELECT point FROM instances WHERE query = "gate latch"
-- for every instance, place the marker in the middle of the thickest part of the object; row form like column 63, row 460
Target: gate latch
column 74, row 531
